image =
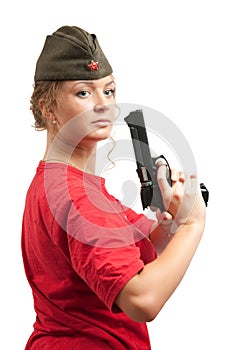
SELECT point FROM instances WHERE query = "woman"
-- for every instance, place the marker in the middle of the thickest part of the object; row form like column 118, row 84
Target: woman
column 98, row 271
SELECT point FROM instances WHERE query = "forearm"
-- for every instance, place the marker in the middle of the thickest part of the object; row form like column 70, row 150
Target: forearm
column 162, row 276
column 147, row 292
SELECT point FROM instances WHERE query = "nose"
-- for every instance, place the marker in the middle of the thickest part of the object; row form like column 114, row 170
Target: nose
column 101, row 103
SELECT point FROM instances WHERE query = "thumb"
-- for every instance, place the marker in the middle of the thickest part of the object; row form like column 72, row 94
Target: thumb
column 163, row 217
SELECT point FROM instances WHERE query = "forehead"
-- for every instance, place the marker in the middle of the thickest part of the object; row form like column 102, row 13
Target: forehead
column 98, row 83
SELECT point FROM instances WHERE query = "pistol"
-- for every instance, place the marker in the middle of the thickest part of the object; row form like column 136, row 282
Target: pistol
column 146, row 164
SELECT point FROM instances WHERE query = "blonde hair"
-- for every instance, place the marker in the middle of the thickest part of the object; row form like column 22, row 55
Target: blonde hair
column 47, row 91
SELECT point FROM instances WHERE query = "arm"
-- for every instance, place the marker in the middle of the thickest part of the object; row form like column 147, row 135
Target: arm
column 146, row 293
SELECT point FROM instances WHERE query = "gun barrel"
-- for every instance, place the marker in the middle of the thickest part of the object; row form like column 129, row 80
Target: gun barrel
column 138, row 132
column 145, row 168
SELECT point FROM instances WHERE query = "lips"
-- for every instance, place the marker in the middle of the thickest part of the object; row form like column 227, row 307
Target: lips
column 102, row 122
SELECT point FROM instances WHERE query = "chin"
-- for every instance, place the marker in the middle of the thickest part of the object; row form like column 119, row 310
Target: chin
column 99, row 135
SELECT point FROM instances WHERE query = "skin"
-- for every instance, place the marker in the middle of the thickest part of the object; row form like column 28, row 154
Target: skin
column 147, row 292
column 83, row 115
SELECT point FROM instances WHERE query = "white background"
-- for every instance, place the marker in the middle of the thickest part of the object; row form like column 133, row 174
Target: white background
column 183, row 58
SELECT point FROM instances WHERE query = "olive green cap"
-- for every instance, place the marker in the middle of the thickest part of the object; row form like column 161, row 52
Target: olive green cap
column 71, row 53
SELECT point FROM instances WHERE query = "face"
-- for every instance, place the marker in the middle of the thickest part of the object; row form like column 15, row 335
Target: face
column 85, row 109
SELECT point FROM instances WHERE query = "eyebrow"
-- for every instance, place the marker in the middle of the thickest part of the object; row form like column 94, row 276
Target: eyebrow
column 91, row 82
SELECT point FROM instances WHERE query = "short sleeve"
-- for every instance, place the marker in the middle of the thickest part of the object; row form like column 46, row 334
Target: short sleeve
column 105, row 270
column 141, row 222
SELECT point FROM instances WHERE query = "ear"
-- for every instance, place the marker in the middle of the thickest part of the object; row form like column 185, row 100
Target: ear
column 46, row 110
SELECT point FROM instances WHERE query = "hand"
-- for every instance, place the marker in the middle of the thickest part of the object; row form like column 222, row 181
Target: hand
column 183, row 200
column 166, row 222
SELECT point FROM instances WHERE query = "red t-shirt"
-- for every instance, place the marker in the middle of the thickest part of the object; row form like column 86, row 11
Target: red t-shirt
column 80, row 247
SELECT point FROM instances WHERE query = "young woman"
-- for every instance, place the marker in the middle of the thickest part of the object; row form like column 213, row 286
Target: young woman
column 98, row 271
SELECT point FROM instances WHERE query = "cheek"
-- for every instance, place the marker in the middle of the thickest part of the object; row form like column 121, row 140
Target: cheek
column 112, row 112
column 70, row 108
column 74, row 130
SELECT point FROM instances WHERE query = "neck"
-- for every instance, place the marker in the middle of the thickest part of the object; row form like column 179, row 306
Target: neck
column 82, row 156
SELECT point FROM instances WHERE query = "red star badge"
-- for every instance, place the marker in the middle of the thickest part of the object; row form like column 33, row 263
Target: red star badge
column 93, row 65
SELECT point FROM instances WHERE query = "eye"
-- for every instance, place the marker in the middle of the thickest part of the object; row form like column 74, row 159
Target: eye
column 110, row 92
column 83, row 93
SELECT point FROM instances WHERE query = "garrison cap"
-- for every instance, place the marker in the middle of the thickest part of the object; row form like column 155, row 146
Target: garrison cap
column 71, row 53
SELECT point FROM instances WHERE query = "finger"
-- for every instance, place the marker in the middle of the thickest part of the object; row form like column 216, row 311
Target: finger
column 181, row 176
column 187, row 184
column 163, row 217
column 163, row 183
column 159, row 162
column 174, row 175
column 191, row 187
column 194, row 182
column 162, row 176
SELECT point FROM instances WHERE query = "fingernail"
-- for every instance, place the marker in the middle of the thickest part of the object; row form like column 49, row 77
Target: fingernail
column 160, row 160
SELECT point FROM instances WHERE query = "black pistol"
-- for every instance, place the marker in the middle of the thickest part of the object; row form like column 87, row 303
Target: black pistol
column 146, row 168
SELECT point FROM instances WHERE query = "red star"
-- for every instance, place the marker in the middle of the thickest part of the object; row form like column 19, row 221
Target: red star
column 93, row 65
